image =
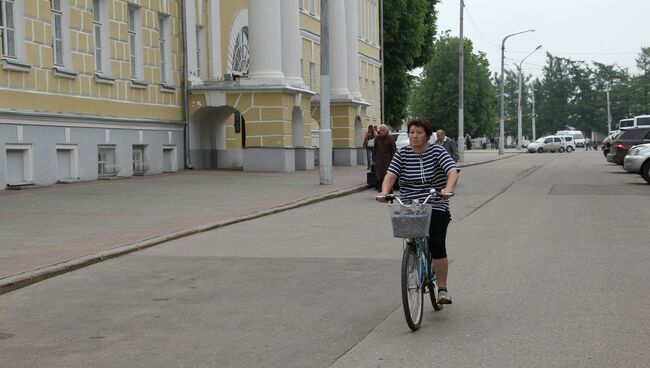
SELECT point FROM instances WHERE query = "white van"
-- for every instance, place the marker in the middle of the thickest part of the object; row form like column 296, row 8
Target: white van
column 642, row 120
column 578, row 138
column 624, row 123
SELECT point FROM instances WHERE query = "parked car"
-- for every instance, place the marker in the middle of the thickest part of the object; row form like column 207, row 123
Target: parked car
column 549, row 143
column 627, row 138
column 569, row 143
column 637, row 160
column 607, row 141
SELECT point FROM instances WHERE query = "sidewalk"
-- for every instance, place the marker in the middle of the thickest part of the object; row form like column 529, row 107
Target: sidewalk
column 56, row 229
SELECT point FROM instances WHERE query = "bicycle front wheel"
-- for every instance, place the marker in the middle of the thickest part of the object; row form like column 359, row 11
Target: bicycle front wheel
column 412, row 292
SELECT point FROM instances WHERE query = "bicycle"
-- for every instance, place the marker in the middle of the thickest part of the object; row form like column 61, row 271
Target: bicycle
column 411, row 223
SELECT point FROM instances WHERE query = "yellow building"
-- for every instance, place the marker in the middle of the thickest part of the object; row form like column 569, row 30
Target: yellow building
column 96, row 88
column 255, row 86
column 85, row 91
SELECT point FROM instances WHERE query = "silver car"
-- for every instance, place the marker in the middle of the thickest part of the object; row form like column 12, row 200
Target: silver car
column 637, row 160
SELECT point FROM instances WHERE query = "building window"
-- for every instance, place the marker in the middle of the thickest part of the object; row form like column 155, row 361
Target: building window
column 312, row 76
column 165, row 49
column 139, row 164
column 97, row 32
column 106, row 165
column 133, row 59
column 66, row 162
column 8, row 28
column 169, row 158
column 240, row 53
column 18, row 159
column 199, row 51
column 312, row 7
column 57, row 32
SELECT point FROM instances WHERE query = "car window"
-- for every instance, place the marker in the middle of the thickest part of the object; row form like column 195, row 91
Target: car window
column 568, row 138
column 634, row 134
column 626, row 123
column 557, row 140
column 642, row 121
column 549, row 140
column 578, row 135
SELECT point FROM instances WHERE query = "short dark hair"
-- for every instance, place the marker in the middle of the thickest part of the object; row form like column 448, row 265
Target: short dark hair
column 422, row 123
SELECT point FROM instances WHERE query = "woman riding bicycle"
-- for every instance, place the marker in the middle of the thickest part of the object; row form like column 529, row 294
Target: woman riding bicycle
column 421, row 166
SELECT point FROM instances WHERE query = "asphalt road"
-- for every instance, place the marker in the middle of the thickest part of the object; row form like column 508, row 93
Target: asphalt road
column 550, row 267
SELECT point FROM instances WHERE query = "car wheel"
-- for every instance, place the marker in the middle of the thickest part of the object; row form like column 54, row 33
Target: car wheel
column 540, row 150
column 645, row 171
column 561, row 149
column 569, row 149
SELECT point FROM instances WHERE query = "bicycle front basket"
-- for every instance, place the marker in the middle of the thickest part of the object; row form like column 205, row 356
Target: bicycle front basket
column 410, row 222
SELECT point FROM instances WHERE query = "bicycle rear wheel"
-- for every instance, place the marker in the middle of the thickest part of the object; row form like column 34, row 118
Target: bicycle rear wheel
column 412, row 292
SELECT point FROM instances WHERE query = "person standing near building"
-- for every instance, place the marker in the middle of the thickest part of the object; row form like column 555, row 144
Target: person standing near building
column 448, row 144
column 383, row 153
column 369, row 143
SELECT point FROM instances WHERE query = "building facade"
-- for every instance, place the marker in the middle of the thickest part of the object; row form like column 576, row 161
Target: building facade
column 113, row 88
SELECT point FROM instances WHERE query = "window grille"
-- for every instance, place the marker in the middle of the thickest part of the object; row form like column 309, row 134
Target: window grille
column 240, row 58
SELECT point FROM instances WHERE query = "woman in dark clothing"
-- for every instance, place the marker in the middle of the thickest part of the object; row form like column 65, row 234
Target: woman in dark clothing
column 383, row 153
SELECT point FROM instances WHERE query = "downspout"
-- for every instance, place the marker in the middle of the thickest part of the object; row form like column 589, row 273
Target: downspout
column 186, row 94
column 381, row 56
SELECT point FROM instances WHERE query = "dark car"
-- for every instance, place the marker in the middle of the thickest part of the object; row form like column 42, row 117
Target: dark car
column 627, row 138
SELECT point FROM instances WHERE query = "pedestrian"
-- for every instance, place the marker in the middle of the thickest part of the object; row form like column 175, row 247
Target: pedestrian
column 587, row 144
column 448, row 144
column 369, row 143
column 383, row 152
column 468, row 141
column 419, row 167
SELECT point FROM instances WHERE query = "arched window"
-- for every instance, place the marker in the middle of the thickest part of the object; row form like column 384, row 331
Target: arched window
column 240, row 52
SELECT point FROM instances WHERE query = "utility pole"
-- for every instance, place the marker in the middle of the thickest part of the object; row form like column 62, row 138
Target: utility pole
column 325, row 134
column 502, row 116
column 609, row 113
column 519, row 98
column 461, row 89
column 532, row 91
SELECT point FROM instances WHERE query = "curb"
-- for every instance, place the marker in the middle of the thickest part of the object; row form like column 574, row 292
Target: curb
column 24, row 279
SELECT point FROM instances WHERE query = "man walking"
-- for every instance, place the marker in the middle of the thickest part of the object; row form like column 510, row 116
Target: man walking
column 383, row 153
column 447, row 143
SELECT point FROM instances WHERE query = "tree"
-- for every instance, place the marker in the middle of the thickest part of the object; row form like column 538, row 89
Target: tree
column 643, row 63
column 409, row 29
column 437, row 94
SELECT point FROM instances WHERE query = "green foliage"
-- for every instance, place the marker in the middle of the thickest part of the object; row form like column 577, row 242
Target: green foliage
column 437, row 94
column 409, row 27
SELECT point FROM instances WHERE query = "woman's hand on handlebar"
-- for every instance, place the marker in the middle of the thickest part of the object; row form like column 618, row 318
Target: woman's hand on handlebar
column 382, row 197
column 446, row 193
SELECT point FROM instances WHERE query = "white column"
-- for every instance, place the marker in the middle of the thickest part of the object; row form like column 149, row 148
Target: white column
column 265, row 45
column 291, row 42
column 352, row 24
column 338, row 50
column 190, row 21
column 214, row 27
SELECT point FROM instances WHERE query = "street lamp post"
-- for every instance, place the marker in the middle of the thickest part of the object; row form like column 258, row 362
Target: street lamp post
column 503, row 49
column 519, row 98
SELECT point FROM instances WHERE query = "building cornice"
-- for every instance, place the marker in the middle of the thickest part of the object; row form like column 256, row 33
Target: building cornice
column 19, row 117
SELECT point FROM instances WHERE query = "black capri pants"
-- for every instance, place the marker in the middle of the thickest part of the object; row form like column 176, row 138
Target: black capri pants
column 438, row 234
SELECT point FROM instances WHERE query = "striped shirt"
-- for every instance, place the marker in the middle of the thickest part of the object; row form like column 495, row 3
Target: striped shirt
column 419, row 172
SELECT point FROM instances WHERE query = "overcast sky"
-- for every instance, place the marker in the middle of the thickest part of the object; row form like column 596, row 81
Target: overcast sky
column 606, row 31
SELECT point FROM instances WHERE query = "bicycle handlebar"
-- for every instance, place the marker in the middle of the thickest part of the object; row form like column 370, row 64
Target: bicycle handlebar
column 433, row 194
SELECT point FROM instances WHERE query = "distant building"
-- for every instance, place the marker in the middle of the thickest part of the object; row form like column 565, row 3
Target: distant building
column 96, row 89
